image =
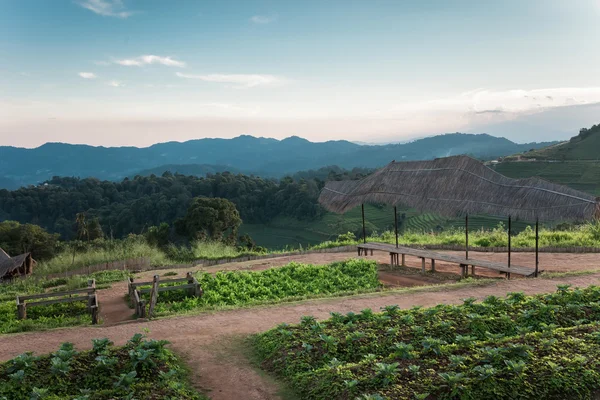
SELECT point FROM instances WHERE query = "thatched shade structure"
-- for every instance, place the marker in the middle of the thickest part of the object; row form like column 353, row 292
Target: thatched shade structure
column 458, row 186
column 11, row 267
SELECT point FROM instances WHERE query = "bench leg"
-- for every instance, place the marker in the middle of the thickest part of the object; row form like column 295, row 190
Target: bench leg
column 432, row 265
column 423, row 265
column 371, row 251
column 472, row 270
column 463, row 270
column 403, row 260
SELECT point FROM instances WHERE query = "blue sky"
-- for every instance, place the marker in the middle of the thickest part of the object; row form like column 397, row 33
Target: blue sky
column 133, row 72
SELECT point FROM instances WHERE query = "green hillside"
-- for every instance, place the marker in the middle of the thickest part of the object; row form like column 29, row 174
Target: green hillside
column 585, row 146
column 580, row 175
column 575, row 163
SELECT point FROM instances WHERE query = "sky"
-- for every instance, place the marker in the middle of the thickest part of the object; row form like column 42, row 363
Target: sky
column 138, row 72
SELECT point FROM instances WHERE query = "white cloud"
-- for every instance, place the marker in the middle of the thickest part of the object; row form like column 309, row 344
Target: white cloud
column 262, row 19
column 515, row 101
column 106, row 8
column 87, row 75
column 241, row 80
column 150, row 59
column 116, row 84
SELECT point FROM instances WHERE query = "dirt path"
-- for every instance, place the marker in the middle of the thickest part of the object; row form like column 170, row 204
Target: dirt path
column 113, row 308
column 208, row 341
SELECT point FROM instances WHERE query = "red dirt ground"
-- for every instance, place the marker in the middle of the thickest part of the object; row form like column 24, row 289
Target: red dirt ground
column 210, row 342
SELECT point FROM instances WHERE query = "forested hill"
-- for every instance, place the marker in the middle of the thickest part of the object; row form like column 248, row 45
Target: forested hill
column 246, row 154
column 132, row 205
column 584, row 146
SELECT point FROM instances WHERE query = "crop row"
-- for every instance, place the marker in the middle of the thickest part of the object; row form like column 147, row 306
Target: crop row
column 293, row 281
column 142, row 369
column 437, row 352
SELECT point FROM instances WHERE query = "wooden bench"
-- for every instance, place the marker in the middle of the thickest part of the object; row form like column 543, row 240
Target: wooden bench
column 396, row 252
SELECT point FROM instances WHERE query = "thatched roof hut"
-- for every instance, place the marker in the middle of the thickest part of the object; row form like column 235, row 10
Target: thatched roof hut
column 11, row 267
column 459, row 185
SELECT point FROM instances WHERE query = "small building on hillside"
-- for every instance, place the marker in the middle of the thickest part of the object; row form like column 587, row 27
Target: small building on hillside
column 11, row 267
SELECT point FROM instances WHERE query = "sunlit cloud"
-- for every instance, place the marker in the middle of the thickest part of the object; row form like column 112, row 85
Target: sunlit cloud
column 106, row 8
column 150, row 59
column 240, row 80
column 87, row 75
column 116, row 84
column 262, row 19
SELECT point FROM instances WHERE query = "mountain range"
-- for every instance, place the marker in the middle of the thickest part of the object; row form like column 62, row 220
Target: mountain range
column 244, row 154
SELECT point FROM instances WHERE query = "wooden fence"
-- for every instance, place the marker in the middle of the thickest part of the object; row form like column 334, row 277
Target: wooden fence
column 140, row 304
column 87, row 294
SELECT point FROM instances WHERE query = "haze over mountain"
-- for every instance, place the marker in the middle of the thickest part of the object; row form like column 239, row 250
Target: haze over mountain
column 261, row 156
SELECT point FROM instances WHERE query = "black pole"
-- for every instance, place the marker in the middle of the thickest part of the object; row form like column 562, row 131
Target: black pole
column 537, row 246
column 509, row 238
column 467, row 236
column 362, row 206
column 396, row 224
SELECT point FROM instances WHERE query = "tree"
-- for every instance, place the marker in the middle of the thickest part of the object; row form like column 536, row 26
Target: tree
column 95, row 229
column 16, row 238
column 215, row 218
column 158, row 235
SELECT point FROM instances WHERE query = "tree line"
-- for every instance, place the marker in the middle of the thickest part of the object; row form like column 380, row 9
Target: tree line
column 116, row 209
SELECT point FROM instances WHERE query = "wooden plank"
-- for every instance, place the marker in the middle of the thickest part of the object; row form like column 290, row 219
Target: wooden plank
column 423, row 265
column 56, row 301
column 168, row 288
column 56, row 294
column 526, row 271
column 149, row 283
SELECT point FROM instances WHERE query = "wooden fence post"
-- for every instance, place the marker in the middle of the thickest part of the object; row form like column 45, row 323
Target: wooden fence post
column 153, row 296
column 21, row 309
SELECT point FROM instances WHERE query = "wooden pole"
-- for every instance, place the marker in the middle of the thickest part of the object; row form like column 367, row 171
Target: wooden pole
column 396, row 224
column 537, row 246
column 362, row 206
column 509, row 239
column 467, row 236
column 153, row 296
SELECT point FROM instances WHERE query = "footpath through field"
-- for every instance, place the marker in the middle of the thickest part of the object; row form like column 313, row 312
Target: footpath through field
column 209, row 342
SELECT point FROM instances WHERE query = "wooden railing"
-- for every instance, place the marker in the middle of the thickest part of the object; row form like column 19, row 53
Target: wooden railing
column 89, row 295
column 140, row 304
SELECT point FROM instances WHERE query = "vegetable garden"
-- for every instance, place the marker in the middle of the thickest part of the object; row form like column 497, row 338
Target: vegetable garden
column 142, row 369
column 526, row 347
column 291, row 282
column 49, row 316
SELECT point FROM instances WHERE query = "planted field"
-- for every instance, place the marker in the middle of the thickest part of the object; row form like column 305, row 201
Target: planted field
column 142, row 369
column 527, row 347
column 49, row 316
column 293, row 281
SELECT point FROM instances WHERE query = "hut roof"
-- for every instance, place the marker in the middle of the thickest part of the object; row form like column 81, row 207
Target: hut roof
column 454, row 186
column 3, row 255
column 12, row 263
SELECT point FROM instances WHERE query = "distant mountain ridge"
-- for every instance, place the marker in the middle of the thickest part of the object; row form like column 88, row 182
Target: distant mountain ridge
column 244, row 154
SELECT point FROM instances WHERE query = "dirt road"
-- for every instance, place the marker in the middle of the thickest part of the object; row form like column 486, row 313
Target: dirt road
column 209, row 342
